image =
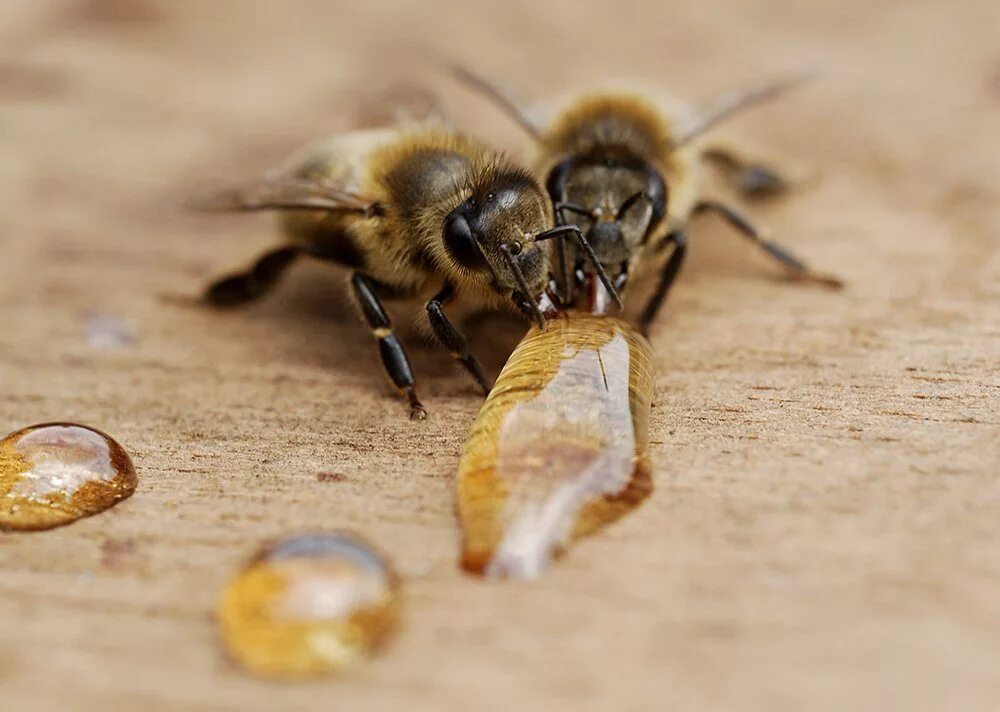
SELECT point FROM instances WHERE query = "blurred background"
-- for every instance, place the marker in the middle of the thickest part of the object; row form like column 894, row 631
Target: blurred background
column 824, row 528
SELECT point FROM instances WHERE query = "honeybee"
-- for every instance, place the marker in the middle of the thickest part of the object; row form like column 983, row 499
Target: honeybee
column 413, row 211
column 625, row 171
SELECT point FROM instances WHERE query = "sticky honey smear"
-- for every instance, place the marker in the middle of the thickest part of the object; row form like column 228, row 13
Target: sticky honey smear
column 308, row 606
column 55, row 473
column 559, row 449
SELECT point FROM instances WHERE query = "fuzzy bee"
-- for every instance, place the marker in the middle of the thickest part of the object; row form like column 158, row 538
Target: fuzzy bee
column 416, row 211
column 625, row 171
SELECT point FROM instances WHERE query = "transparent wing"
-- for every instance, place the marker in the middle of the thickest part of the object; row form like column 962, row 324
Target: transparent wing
column 732, row 102
column 288, row 193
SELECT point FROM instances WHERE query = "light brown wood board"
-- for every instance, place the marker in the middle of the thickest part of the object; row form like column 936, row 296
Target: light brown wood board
column 824, row 528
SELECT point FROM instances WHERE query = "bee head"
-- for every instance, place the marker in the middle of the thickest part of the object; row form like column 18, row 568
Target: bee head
column 614, row 197
column 493, row 233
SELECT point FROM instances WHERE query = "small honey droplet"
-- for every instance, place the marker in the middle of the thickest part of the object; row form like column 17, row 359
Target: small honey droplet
column 560, row 447
column 55, row 473
column 309, row 605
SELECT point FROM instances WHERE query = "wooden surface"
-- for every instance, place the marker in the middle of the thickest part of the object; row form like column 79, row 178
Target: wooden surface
column 824, row 529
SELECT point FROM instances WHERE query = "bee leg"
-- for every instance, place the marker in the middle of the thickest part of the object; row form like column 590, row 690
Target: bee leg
column 452, row 339
column 394, row 357
column 622, row 279
column 751, row 179
column 562, row 250
column 243, row 287
column 567, row 281
column 796, row 267
column 667, row 276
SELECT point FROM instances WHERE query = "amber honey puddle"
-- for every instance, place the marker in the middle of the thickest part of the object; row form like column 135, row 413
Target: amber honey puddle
column 560, row 448
column 56, row 473
column 309, row 605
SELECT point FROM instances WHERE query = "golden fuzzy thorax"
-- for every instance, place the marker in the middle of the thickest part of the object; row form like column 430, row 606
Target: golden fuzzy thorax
column 601, row 120
column 420, row 179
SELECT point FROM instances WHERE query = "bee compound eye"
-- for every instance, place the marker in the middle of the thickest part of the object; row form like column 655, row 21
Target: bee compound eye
column 515, row 248
column 461, row 243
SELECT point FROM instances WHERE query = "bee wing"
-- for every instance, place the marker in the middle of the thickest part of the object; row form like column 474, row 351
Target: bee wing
column 732, row 102
column 283, row 193
column 403, row 106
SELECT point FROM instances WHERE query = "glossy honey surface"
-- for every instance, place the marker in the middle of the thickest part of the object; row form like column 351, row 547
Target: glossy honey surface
column 307, row 606
column 559, row 448
column 55, row 473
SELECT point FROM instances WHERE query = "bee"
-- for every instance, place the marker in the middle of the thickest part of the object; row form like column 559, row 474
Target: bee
column 413, row 211
column 625, row 171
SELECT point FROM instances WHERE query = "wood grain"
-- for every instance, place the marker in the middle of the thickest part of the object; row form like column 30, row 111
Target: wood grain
column 823, row 530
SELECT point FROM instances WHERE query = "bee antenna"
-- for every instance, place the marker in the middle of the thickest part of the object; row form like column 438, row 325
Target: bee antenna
column 522, row 283
column 491, row 91
column 628, row 203
column 573, row 208
column 591, row 255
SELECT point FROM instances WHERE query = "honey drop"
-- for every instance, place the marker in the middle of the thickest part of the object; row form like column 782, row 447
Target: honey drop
column 55, row 473
column 560, row 447
column 309, row 605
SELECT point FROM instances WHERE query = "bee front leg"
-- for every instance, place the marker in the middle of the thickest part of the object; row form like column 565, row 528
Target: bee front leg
column 242, row 287
column 394, row 357
column 667, row 276
column 622, row 279
column 795, row 266
column 452, row 339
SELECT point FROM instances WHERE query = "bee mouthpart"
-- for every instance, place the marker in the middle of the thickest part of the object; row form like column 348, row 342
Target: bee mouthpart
column 546, row 305
column 560, row 232
column 523, row 295
column 534, row 309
